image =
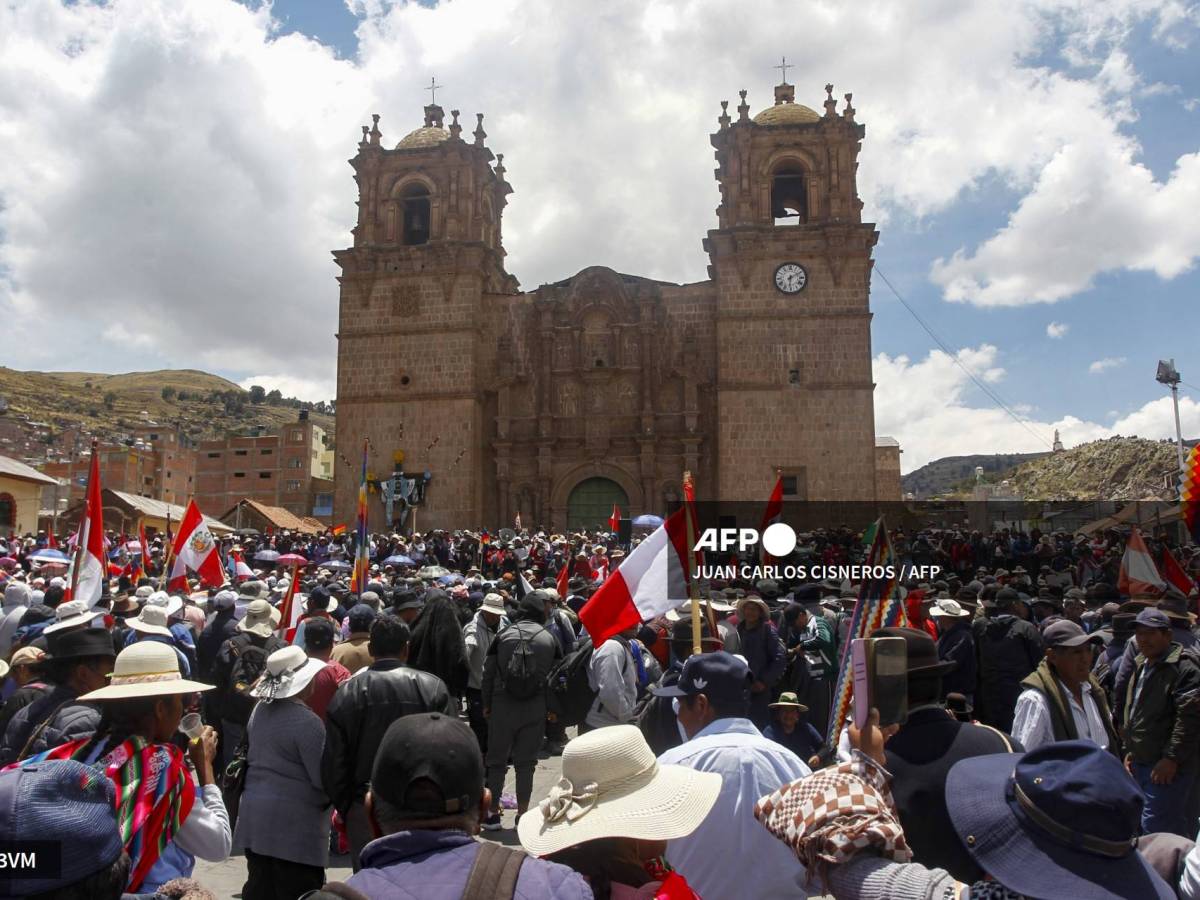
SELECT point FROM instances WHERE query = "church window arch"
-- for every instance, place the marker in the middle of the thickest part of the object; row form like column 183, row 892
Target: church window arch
column 789, row 193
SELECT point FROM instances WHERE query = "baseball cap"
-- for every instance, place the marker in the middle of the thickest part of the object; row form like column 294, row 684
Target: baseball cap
column 66, row 804
column 432, row 747
column 1152, row 618
column 719, row 675
column 1065, row 633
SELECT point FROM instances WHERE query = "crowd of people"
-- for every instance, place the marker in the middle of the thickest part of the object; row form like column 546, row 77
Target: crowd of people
column 1051, row 745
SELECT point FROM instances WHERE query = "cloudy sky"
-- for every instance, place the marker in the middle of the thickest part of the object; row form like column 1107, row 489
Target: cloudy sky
column 174, row 177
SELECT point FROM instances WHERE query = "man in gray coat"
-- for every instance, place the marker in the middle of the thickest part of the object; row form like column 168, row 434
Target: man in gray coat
column 514, row 700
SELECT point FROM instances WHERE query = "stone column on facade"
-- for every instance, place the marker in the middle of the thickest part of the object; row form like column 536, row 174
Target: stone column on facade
column 648, row 469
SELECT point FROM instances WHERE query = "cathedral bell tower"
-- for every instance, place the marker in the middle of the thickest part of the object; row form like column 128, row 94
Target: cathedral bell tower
column 791, row 263
column 427, row 247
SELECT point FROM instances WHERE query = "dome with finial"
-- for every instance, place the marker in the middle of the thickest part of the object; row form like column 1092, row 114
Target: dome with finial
column 430, row 134
column 786, row 110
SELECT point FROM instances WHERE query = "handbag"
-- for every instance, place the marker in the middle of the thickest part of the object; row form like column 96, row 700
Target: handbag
column 233, row 779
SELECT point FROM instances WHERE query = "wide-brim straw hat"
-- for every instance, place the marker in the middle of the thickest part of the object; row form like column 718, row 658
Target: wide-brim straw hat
column 146, row 669
column 288, row 672
column 151, row 620
column 757, row 601
column 493, row 603
column 71, row 614
column 612, row 786
column 257, row 619
column 788, row 700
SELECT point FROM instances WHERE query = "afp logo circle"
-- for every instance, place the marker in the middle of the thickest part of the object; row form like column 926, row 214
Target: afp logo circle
column 779, row 539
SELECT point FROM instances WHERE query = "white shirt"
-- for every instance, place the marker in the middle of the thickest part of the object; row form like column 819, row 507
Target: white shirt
column 1032, row 726
column 731, row 854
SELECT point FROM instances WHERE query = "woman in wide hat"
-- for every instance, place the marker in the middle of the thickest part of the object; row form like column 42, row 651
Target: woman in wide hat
column 167, row 811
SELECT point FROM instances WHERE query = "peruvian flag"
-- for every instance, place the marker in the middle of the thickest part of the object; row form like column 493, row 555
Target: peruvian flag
column 650, row 582
column 614, row 521
column 1173, row 572
column 178, row 583
column 90, row 567
column 564, row 577
column 1138, row 575
column 772, row 514
column 195, row 548
column 289, row 610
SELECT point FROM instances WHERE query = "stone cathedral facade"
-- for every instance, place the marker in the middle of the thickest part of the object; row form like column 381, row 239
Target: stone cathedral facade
column 604, row 387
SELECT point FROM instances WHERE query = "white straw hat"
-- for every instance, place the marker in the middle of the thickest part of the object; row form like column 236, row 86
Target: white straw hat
column 71, row 614
column 949, row 609
column 612, row 786
column 146, row 669
column 288, row 672
column 151, row 620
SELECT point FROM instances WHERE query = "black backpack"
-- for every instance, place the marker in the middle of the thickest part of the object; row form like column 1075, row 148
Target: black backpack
column 570, row 695
column 521, row 678
column 249, row 661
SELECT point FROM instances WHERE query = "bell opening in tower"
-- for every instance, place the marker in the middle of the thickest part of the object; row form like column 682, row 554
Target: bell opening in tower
column 789, row 203
column 416, row 215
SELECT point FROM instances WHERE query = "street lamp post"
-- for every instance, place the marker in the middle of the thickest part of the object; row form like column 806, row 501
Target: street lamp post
column 1169, row 375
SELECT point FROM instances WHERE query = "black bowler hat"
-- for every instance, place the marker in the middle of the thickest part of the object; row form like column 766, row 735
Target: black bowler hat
column 80, row 644
column 922, row 651
column 1059, row 821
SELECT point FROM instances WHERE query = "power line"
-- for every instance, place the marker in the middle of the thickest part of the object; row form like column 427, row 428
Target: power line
column 958, row 362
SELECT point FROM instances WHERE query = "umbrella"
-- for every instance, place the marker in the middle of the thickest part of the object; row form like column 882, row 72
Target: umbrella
column 453, row 578
column 432, row 572
column 290, row 559
column 337, row 565
column 7, row 561
column 266, row 556
column 49, row 556
column 648, row 520
column 399, row 560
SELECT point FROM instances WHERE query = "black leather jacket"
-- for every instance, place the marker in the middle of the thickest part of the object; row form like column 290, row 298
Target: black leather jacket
column 360, row 713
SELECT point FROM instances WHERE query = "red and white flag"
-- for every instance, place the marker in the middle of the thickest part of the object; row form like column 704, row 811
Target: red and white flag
column 195, row 548
column 90, row 567
column 563, row 580
column 614, row 521
column 289, row 610
column 650, row 582
column 1138, row 575
column 178, row 583
column 1173, row 572
column 772, row 514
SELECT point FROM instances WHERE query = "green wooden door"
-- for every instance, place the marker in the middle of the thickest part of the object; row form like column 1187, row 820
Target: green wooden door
column 591, row 503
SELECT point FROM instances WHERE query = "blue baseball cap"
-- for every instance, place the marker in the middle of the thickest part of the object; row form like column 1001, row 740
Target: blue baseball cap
column 67, row 804
column 1060, row 821
column 1152, row 618
column 718, row 675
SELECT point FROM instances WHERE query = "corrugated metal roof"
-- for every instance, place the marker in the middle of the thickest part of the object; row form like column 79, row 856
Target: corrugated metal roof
column 160, row 509
column 10, row 468
column 280, row 517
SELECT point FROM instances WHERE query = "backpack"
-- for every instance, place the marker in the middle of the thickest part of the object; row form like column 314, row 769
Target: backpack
column 570, row 695
column 249, row 661
column 521, row 679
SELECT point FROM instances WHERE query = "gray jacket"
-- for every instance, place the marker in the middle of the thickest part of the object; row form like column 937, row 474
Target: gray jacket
column 65, row 718
column 612, row 674
column 545, row 650
column 478, row 637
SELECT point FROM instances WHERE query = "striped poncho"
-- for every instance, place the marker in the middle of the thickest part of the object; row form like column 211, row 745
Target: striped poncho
column 153, row 798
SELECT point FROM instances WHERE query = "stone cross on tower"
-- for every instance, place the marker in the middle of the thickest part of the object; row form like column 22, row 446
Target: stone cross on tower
column 783, row 67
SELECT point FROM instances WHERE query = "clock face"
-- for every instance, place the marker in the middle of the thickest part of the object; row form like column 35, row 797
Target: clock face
column 790, row 278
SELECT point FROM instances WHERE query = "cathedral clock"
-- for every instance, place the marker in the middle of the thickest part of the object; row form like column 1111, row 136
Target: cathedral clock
column 790, row 278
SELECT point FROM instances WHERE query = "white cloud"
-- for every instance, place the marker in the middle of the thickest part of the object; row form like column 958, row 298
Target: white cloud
column 1057, row 330
column 957, row 425
column 1103, row 365
column 310, row 389
column 184, row 162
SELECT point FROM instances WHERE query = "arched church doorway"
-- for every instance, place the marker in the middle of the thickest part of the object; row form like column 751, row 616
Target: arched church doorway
column 591, row 503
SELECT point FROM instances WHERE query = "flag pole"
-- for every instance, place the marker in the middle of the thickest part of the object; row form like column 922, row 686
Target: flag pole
column 693, row 594
column 170, row 557
column 80, row 541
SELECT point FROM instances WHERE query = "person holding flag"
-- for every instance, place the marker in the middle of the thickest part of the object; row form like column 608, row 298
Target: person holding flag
column 89, row 567
column 362, row 540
